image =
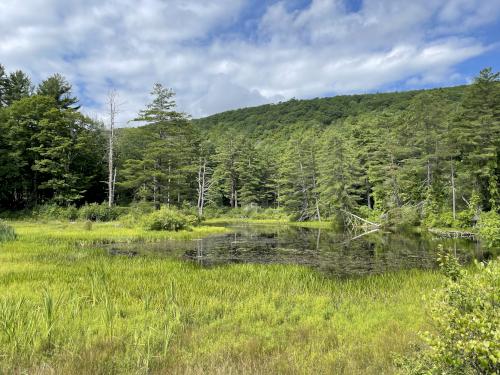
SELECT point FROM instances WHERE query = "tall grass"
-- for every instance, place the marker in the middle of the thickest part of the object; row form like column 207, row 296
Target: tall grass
column 66, row 308
column 7, row 233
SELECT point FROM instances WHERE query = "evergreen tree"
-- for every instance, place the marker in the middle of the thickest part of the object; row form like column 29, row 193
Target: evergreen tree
column 57, row 87
column 3, row 85
column 17, row 86
column 165, row 169
column 227, row 172
column 299, row 176
column 479, row 127
column 341, row 180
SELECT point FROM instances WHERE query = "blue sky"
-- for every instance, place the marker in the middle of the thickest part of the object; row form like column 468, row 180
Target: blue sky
column 225, row 54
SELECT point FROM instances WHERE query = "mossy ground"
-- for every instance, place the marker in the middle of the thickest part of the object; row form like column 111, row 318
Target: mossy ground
column 68, row 307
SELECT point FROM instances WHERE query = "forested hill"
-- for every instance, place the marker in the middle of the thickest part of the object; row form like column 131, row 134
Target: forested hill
column 264, row 118
column 435, row 150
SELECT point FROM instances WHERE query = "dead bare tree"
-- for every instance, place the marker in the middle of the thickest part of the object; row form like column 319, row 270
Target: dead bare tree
column 204, row 183
column 112, row 96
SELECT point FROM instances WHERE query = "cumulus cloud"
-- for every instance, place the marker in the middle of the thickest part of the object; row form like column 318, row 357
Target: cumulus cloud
column 213, row 59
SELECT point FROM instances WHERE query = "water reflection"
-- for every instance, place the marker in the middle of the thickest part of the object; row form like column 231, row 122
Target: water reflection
column 331, row 252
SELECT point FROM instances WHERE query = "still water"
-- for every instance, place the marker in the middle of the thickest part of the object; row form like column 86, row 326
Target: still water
column 331, row 252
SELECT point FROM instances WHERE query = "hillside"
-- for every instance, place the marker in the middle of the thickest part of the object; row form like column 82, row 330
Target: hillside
column 322, row 110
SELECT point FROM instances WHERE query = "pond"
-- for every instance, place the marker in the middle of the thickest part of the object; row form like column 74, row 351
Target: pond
column 332, row 252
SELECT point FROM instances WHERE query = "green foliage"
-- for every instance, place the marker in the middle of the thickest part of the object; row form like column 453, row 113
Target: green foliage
column 54, row 211
column 445, row 219
column 168, row 219
column 99, row 212
column 449, row 264
column 466, row 315
column 436, row 149
column 7, row 233
column 370, row 214
column 247, row 212
column 58, row 88
column 489, row 228
column 402, row 217
column 157, row 160
column 49, row 152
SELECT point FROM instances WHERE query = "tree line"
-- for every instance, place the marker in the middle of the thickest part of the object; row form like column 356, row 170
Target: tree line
column 438, row 150
column 49, row 150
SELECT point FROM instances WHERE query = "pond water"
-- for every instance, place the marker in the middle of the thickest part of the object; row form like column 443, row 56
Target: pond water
column 329, row 251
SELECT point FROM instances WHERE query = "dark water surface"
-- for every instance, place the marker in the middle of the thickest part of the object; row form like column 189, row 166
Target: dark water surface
column 329, row 251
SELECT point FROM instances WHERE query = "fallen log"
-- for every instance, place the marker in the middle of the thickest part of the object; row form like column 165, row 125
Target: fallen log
column 452, row 233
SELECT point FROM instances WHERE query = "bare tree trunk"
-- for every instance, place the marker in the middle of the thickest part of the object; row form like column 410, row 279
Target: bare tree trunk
column 114, row 184
column 111, row 169
column 453, row 192
column 428, row 173
column 168, row 186
column 200, row 190
column 155, row 200
column 204, row 184
column 395, row 186
column 305, row 200
column 368, row 199
column 315, row 193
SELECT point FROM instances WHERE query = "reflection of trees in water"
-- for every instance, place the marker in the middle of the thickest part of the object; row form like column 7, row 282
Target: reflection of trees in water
column 329, row 251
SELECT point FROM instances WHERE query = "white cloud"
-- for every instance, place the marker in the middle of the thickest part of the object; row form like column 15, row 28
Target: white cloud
column 198, row 47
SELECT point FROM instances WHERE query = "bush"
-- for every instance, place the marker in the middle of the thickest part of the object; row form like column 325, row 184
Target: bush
column 467, row 320
column 250, row 211
column 463, row 219
column 402, row 217
column 167, row 219
column 53, row 211
column 489, row 228
column 369, row 214
column 7, row 233
column 99, row 212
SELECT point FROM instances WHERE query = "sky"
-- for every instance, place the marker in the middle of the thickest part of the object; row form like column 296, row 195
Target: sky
column 226, row 54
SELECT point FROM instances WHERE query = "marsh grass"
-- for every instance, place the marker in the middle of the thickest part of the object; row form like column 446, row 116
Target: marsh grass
column 67, row 308
column 7, row 233
column 303, row 224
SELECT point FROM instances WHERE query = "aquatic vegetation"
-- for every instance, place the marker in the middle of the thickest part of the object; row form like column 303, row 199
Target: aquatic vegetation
column 66, row 306
column 167, row 218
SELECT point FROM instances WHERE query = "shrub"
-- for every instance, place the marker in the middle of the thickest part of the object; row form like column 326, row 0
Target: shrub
column 463, row 219
column 53, row 211
column 403, row 217
column 369, row 214
column 466, row 315
column 167, row 219
column 250, row 211
column 489, row 228
column 99, row 212
column 87, row 225
column 7, row 233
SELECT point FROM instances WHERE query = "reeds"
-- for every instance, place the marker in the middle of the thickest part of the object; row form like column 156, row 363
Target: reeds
column 7, row 233
column 77, row 310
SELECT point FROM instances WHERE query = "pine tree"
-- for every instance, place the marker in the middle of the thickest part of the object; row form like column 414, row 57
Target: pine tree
column 165, row 168
column 17, row 86
column 58, row 88
column 479, row 126
column 341, row 180
column 299, row 173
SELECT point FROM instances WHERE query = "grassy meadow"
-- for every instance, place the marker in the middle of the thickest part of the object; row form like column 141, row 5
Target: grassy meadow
column 68, row 307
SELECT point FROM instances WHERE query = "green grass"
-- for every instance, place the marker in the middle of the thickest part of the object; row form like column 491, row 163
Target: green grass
column 305, row 224
column 67, row 307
